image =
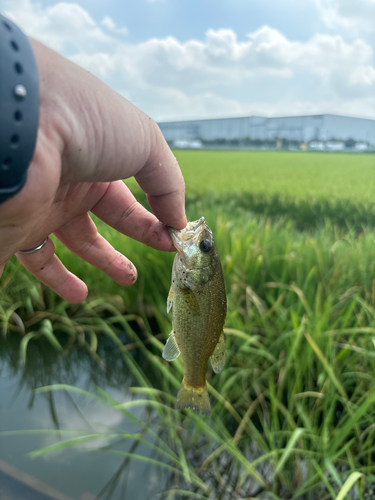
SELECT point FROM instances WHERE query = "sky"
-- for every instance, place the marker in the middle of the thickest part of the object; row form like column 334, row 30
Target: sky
column 189, row 59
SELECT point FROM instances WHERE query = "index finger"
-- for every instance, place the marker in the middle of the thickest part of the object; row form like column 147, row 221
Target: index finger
column 119, row 209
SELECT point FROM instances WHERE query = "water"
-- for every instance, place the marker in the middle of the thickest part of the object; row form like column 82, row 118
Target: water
column 109, row 467
column 81, row 472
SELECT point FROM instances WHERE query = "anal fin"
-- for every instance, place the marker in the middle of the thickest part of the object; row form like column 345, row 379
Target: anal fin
column 218, row 356
column 171, row 350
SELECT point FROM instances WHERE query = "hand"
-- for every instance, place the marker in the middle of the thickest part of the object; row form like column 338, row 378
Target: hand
column 89, row 138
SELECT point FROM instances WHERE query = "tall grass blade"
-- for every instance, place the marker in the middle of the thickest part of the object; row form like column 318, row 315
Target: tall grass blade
column 170, row 494
column 348, row 485
column 289, row 448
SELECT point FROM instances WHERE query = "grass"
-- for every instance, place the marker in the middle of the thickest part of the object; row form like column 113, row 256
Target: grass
column 293, row 409
column 291, row 174
column 306, row 187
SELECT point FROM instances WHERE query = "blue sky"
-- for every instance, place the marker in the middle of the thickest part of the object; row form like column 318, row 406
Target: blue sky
column 189, row 59
column 186, row 19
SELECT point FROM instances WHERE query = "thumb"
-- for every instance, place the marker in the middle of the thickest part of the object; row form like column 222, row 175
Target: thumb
column 161, row 179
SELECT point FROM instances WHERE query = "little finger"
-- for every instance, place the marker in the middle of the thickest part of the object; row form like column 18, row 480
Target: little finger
column 47, row 268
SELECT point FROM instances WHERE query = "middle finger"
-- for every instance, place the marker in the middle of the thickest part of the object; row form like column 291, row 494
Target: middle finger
column 82, row 238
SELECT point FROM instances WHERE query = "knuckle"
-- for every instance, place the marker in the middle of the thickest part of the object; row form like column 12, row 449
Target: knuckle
column 126, row 215
column 88, row 245
column 107, row 266
column 148, row 231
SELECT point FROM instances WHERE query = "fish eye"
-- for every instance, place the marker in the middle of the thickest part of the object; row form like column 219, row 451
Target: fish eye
column 205, row 246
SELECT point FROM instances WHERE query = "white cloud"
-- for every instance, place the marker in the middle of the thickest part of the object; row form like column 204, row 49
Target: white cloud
column 221, row 63
column 109, row 23
column 363, row 75
column 59, row 26
column 221, row 60
column 208, row 105
column 266, row 73
column 356, row 16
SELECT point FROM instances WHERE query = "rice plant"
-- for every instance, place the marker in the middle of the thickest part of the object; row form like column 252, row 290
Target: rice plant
column 293, row 410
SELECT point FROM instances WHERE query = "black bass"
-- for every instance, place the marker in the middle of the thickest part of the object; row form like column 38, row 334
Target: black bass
column 199, row 303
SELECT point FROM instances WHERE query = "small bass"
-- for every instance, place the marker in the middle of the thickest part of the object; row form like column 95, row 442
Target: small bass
column 199, row 303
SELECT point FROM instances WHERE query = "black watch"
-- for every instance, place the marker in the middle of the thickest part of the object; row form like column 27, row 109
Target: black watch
column 19, row 107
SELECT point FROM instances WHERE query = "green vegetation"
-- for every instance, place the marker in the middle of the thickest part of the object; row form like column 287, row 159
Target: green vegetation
column 288, row 174
column 294, row 408
column 306, row 187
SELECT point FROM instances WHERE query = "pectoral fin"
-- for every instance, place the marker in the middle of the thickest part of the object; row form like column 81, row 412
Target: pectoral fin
column 171, row 350
column 170, row 299
column 218, row 356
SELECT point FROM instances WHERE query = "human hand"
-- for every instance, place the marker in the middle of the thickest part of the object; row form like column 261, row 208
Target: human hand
column 89, row 138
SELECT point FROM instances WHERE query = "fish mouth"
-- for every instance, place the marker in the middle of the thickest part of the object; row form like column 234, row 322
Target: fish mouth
column 192, row 230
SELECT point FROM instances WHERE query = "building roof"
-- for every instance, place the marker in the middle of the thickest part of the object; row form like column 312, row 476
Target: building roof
column 267, row 117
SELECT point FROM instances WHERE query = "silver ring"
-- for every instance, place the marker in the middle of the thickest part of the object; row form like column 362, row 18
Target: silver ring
column 36, row 249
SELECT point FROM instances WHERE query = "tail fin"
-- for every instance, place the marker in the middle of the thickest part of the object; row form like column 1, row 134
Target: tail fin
column 194, row 398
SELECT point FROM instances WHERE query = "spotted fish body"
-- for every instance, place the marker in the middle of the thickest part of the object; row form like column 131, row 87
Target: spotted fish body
column 197, row 296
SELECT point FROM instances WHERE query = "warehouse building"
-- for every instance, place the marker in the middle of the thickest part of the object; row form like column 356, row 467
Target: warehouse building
column 314, row 131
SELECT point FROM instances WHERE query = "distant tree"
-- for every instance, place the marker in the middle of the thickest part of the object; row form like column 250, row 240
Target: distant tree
column 269, row 143
column 221, row 141
column 234, row 142
column 350, row 143
column 294, row 144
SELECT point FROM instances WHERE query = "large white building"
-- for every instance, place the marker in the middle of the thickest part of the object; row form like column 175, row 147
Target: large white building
column 303, row 129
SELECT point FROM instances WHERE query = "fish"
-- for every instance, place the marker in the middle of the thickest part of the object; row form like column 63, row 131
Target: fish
column 199, row 307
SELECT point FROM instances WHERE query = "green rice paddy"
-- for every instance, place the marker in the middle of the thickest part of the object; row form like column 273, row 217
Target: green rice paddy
column 290, row 174
column 294, row 408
